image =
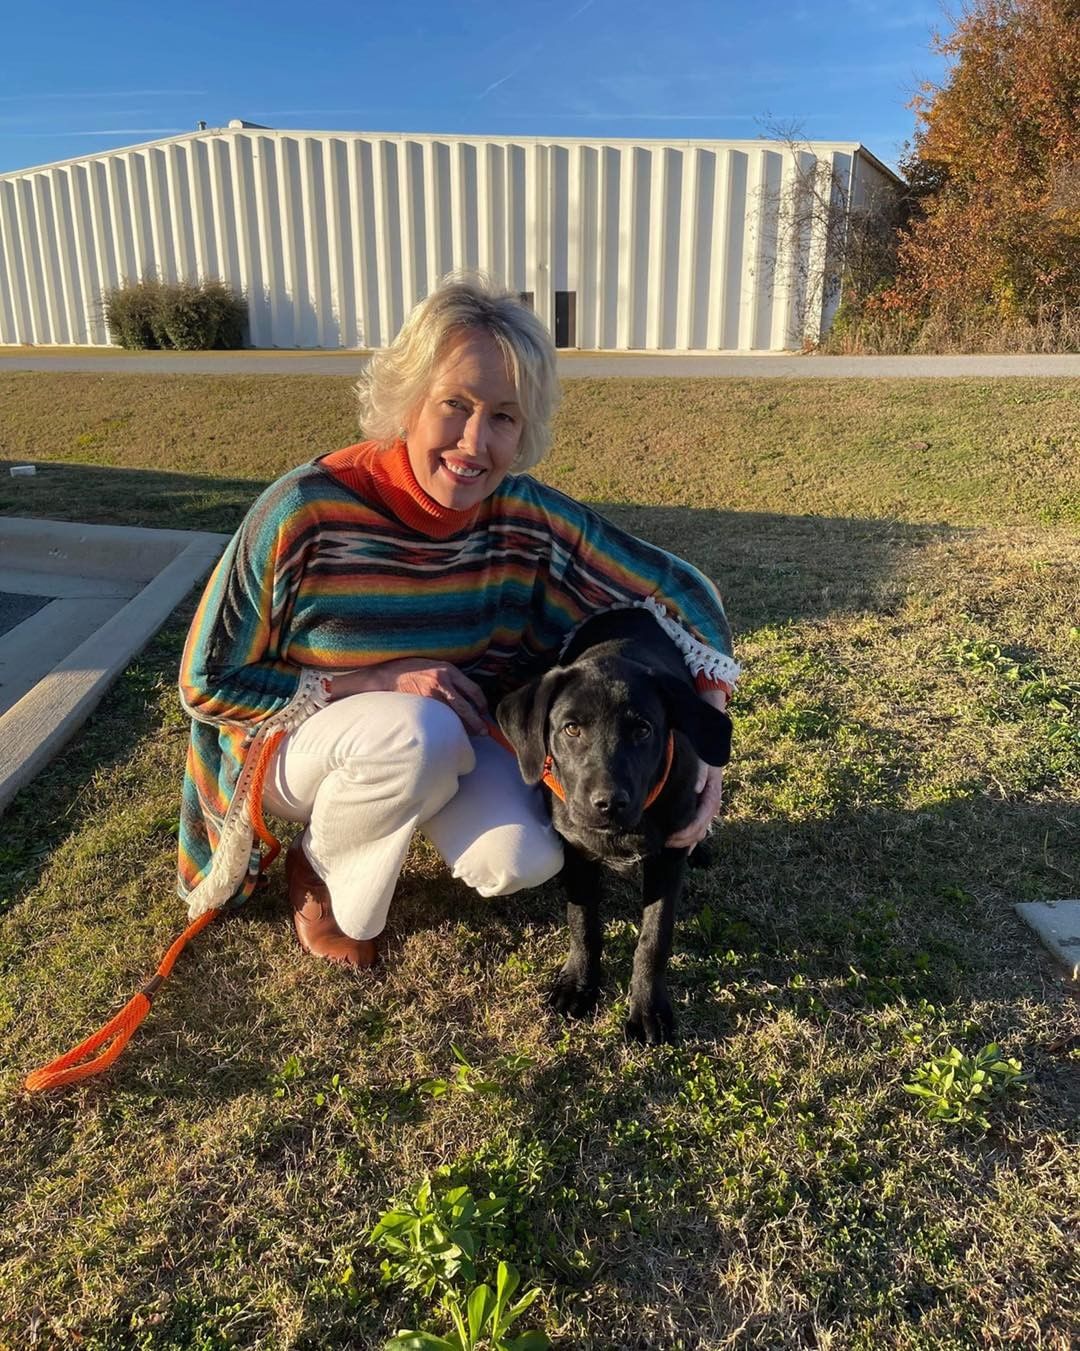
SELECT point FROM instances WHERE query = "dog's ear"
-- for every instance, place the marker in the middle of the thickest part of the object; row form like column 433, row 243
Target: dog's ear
column 523, row 716
column 708, row 730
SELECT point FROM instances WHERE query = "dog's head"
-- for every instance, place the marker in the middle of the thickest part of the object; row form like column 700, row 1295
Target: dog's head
column 605, row 725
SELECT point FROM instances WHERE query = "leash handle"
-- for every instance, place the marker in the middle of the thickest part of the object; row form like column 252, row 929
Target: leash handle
column 66, row 1069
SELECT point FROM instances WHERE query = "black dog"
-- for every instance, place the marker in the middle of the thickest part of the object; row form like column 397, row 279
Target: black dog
column 613, row 732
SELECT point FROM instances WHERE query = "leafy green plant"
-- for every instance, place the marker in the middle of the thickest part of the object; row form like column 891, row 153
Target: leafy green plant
column 958, row 1089
column 483, row 1320
column 432, row 1238
column 1035, row 685
column 290, row 1074
column 466, row 1078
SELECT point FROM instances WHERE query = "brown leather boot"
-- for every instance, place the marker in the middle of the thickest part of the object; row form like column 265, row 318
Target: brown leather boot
column 313, row 919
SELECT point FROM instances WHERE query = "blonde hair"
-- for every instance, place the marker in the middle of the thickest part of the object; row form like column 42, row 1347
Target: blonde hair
column 397, row 378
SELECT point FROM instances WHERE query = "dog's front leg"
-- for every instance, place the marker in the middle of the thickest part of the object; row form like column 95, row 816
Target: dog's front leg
column 577, row 986
column 651, row 1019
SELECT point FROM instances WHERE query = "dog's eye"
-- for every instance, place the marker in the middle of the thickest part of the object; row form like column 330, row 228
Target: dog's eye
column 572, row 729
column 641, row 731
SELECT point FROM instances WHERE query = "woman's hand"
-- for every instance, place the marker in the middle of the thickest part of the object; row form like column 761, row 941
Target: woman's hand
column 419, row 675
column 709, row 788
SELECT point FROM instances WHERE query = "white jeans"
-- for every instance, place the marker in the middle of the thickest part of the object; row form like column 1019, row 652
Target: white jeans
column 366, row 771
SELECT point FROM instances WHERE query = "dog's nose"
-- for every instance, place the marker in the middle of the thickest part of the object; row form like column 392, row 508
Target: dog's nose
column 610, row 801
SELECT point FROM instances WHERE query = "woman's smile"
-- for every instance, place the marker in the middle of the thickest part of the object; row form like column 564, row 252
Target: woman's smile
column 461, row 470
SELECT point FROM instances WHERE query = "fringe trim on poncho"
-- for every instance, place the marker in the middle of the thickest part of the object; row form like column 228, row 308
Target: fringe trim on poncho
column 700, row 659
column 232, row 857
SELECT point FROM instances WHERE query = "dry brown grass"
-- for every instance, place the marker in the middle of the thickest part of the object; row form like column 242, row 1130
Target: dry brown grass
column 191, row 449
column 767, row 1183
column 878, row 334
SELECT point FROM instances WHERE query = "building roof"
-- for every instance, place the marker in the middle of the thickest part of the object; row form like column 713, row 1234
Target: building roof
column 237, row 125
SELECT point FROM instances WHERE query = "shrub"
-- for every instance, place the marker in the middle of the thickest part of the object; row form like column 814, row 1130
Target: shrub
column 228, row 309
column 184, row 316
column 131, row 313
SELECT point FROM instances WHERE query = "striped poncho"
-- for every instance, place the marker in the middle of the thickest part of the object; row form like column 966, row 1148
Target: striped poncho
column 346, row 562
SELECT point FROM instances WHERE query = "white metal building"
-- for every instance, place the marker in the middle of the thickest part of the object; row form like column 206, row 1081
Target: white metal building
column 655, row 245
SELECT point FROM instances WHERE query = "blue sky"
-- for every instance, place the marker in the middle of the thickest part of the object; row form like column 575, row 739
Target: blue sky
column 76, row 79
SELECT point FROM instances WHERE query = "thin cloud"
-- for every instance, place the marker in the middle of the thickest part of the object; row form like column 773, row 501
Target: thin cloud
column 534, row 52
column 322, row 112
column 107, row 94
column 114, row 131
column 638, row 117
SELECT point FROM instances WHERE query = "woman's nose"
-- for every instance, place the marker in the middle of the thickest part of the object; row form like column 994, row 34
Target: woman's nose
column 474, row 433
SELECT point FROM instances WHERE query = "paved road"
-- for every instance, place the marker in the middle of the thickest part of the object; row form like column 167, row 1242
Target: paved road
column 570, row 364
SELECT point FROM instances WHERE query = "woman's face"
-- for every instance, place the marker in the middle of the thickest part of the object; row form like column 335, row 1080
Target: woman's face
column 463, row 436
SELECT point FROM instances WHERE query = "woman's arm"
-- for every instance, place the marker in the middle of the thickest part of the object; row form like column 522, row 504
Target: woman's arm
column 233, row 669
column 594, row 565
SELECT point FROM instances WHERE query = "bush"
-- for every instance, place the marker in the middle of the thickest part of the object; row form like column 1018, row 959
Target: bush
column 131, row 313
column 228, row 310
column 183, row 316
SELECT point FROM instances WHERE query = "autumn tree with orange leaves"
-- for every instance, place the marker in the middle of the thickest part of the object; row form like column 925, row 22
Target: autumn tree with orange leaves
column 995, row 171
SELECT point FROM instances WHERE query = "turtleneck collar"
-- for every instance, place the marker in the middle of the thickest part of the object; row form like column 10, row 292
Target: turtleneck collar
column 388, row 473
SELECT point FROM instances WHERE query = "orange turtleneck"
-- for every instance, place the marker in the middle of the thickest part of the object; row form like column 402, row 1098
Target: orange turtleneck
column 388, row 476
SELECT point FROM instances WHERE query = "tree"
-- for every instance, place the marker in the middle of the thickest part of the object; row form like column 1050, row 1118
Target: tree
column 995, row 169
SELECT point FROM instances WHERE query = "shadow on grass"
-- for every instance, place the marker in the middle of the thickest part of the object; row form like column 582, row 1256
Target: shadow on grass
column 863, row 927
column 868, row 908
column 770, row 568
column 99, row 495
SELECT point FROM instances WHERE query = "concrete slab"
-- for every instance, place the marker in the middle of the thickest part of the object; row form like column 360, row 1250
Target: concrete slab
column 113, row 588
column 29, row 582
column 1057, row 923
column 29, row 653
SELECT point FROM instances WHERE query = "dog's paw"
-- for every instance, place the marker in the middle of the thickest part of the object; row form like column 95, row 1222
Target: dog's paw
column 651, row 1019
column 573, row 994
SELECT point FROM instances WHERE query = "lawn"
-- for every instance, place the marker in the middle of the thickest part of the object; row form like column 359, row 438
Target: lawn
column 901, row 562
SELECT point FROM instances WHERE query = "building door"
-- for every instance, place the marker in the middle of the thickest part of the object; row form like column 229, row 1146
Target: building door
column 565, row 318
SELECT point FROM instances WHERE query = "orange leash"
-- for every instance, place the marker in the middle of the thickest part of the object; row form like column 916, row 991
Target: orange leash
column 115, row 1035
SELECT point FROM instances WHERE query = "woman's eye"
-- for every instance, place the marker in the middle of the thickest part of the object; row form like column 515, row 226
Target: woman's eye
column 572, row 729
column 506, row 417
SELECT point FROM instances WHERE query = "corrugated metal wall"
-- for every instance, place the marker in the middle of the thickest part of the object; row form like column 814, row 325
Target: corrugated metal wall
column 651, row 245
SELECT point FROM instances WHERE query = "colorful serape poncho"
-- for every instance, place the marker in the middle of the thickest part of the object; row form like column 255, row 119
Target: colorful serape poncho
column 346, row 562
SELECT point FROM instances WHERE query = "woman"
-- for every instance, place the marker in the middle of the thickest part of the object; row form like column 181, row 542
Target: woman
column 371, row 610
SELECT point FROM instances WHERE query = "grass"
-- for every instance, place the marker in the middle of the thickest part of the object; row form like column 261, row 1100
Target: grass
column 188, row 450
column 907, row 766
column 879, row 334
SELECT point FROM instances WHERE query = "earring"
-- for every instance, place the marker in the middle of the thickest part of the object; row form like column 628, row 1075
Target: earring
column 402, row 432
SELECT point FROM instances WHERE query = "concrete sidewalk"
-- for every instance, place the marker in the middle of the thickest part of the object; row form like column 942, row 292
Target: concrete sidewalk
column 77, row 602
column 571, row 364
